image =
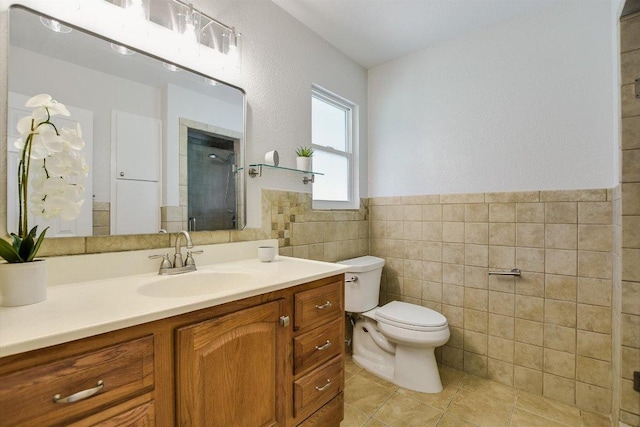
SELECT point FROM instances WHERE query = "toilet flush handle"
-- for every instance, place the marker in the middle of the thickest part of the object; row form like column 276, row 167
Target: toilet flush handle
column 352, row 279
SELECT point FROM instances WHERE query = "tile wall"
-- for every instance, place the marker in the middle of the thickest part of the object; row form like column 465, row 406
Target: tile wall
column 546, row 332
column 627, row 280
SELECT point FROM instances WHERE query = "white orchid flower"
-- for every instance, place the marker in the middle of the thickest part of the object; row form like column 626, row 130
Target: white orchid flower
column 44, row 141
column 73, row 137
column 55, row 206
column 44, row 106
column 65, row 164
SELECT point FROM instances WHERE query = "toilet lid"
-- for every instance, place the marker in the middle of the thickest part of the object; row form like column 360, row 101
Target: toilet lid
column 410, row 315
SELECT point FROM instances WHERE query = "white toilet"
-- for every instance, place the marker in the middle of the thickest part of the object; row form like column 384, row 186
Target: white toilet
column 396, row 341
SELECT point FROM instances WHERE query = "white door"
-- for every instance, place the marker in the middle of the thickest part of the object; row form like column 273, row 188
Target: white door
column 83, row 225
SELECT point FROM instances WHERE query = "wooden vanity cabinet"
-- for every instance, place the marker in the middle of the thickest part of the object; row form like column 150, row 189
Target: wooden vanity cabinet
column 251, row 362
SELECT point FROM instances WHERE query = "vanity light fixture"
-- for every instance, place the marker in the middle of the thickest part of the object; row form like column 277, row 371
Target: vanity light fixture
column 54, row 25
column 121, row 49
column 170, row 66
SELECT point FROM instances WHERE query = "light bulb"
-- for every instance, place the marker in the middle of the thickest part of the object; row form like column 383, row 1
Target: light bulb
column 54, row 25
column 121, row 49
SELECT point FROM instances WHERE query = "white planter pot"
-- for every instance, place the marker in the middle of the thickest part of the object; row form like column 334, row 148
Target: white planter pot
column 23, row 283
column 303, row 163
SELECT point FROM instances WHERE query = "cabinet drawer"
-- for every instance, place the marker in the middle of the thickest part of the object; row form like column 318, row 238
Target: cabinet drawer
column 125, row 369
column 317, row 346
column 317, row 306
column 142, row 415
column 330, row 415
column 318, row 387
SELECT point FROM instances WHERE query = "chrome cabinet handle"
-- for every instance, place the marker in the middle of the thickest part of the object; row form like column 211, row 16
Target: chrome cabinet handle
column 324, row 346
column 323, row 306
column 324, row 387
column 79, row 395
column 353, row 279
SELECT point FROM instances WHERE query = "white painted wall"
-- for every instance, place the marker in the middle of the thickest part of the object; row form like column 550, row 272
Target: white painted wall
column 523, row 105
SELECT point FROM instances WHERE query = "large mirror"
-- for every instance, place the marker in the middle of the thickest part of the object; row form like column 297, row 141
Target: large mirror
column 165, row 145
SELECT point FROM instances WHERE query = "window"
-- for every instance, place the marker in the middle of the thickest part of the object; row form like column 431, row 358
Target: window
column 333, row 137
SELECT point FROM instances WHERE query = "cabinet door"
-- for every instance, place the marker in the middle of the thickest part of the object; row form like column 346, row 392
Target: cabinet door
column 230, row 370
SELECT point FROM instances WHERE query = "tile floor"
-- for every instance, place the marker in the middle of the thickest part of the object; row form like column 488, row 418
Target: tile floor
column 466, row 401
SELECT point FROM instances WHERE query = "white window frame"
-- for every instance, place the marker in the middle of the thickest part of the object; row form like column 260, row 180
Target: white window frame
column 351, row 152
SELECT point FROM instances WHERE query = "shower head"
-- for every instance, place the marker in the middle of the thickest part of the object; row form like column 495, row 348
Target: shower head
column 220, row 158
column 213, row 156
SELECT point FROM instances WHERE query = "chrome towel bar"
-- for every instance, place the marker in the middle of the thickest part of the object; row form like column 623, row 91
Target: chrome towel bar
column 512, row 272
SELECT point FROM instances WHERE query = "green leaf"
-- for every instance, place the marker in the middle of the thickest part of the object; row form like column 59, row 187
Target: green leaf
column 8, row 252
column 26, row 247
column 33, row 232
column 17, row 241
column 37, row 245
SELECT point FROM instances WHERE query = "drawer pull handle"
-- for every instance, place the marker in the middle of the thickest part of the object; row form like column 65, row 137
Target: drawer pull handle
column 79, row 395
column 323, row 306
column 324, row 387
column 324, row 346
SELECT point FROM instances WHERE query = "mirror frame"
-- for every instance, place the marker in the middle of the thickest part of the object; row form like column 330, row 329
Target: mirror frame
column 51, row 245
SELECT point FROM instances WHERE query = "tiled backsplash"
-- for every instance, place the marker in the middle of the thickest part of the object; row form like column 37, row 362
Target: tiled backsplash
column 548, row 331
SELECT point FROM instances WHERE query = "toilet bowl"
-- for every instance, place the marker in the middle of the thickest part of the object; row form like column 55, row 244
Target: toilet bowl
column 396, row 341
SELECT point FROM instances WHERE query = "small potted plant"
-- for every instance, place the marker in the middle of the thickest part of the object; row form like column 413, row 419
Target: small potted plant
column 303, row 161
column 50, row 173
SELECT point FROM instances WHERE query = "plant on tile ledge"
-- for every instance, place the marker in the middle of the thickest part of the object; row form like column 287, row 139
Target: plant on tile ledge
column 50, row 174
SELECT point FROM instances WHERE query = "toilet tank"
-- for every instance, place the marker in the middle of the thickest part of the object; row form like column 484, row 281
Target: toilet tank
column 362, row 283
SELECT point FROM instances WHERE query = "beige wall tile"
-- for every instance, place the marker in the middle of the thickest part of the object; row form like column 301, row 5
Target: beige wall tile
column 476, row 321
column 431, row 291
column 594, row 264
column 595, row 213
column 594, row 345
column 476, row 277
column 531, row 284
column 453, row 274
column 530, row 212
column 502, row 212
column 394, row 248
column 527, row 379
column 475, row 364
column 502, row 257
column 453, row 213
column 457, row 338
column 502, row 303
column 453, row 232
column 530, row 235
column 462, row 198
column 560, row 261
column 560, row 338
column 431, row 271
column 501, row 326
column 379, row 229
column 377, row 212
column 500, row 371
column 412, row 213
column 475, row 342
column 395, row 213
column 559, row 389
column 630, row 361
column 594, row 291
column 431, row 231
column 593, row 398
column 629, row 418
column 454, row 315
column 560, row 363
column 519, row 196
column 593, row 371
column 595, row 237
column 432, row 213
column 453, row 357
column 75, row 245
column 421, row 199
column 413, row 230
column 561, row 213
column 502, row 284
column 629, row 33
column 561, row 287
column 630, row 263
column 476, row 232
column 561, row 236
column 630, row 327
column 631, row 297
column 629, row 397
column 477, row 255
column 453, row 253
column 530, row 259
column 452, row 294
column 477, row 212
column 630, row 104
column 630, row 198
column 529, row 356
column 631, row 164
column 395, row 230
column 529, row 332
column 412, row 288
column 529, row 308
column 594, row 318
column 113, row 243
column 502, row 234
column 431, row 251
column 631, row 231
column 596, row 195
column 562, row 313
column 630, row 132
column 476, row 299
column 413, row 269
column 500, row 348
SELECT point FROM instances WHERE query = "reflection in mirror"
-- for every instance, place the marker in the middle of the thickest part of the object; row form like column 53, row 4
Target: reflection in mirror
column 167, row 144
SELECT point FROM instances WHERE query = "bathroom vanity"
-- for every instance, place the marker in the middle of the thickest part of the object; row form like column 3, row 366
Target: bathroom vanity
column 271, row 353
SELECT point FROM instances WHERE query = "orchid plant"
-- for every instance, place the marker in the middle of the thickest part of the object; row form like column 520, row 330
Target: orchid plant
column 51, row 162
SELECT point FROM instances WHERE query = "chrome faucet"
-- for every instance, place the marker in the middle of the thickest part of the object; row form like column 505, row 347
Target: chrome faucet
column 177, row 257
column 178, row 266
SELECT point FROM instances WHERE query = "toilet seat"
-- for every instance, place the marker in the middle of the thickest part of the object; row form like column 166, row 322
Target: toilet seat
column 410, row 316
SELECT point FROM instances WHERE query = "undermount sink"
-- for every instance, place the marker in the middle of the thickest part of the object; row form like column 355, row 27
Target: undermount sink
column 199, row 282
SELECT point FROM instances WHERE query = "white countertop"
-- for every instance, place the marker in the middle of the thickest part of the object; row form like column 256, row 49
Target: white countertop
column 79, row 310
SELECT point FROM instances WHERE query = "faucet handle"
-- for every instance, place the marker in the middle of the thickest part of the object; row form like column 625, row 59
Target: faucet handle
column 166, row 263
column 190, row 260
